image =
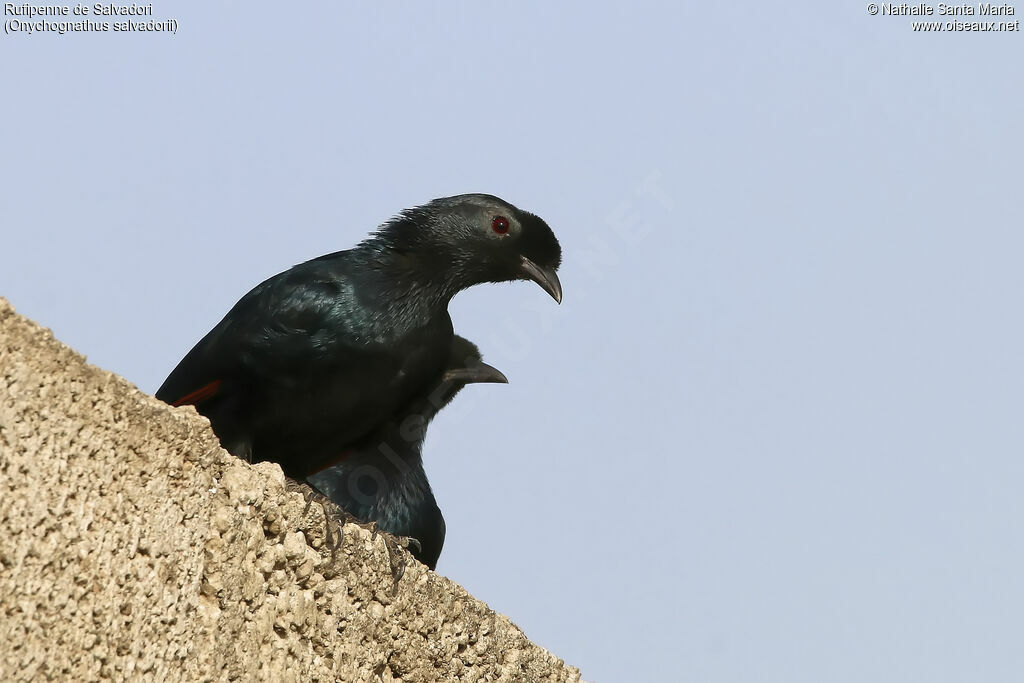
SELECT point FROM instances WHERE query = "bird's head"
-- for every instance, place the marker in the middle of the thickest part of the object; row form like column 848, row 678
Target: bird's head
column 464, row 366
column 475, row 238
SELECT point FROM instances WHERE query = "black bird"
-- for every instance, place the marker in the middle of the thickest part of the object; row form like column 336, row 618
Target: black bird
column 317, row 357
column 382, row 479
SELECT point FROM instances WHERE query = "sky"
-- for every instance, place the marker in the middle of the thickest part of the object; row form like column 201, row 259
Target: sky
column 774, row 430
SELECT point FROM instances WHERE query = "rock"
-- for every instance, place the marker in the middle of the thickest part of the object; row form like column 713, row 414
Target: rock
column 133, row 546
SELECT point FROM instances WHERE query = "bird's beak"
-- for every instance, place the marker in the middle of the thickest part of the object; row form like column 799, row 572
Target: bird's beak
column 477, row 373
column 545, row 277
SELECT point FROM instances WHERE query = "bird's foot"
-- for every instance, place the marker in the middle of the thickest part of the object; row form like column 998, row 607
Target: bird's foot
column 396, row 559
column 336, row 517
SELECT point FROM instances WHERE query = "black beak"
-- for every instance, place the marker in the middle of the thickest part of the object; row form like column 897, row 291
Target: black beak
column 545, row 277
column 477, row 373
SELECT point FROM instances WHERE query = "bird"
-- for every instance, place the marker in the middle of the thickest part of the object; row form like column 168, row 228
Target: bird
column 382, row 480
column 317, row 357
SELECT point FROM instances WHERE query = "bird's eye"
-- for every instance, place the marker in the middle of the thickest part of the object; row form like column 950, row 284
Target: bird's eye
column 499, row 225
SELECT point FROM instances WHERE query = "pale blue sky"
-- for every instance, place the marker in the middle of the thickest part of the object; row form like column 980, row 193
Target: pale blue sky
column 773, row 433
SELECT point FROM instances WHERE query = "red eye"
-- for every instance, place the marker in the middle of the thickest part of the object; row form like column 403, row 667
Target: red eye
column 499, row 225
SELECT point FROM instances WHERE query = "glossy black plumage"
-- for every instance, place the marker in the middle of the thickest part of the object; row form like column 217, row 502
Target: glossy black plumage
column 317, row 357
column 382, row 479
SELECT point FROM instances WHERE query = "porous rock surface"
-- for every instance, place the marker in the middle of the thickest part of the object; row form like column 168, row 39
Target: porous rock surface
column 133, row 547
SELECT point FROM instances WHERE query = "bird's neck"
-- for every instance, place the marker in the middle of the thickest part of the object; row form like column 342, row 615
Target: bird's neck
column 431, row 276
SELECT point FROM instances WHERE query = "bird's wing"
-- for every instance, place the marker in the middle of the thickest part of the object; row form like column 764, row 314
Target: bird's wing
column 292, row 316
column 200, row 374
column 199, row 395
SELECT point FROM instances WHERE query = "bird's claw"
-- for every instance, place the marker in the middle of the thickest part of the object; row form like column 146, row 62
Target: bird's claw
column 409, row 541
column 392, row 544
column 338, row 517
column 334, row 516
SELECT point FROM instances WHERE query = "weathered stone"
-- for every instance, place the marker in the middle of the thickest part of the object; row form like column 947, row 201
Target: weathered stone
column 133, row 547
